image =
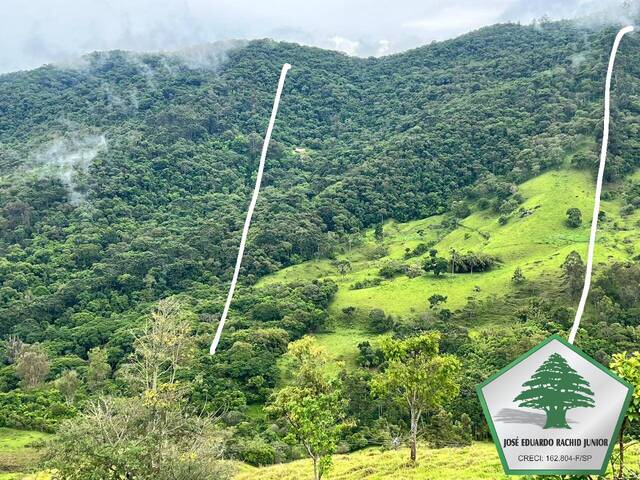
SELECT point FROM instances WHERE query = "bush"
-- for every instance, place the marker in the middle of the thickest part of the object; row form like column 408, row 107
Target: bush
column 39, row 410
column 474, row 262
column 414, row 270
column 366, row 283
column 256, row 451
column 420, row 249
column 369, row 356
column 379, row 322
column 574, row 217
column 393, row 269
column 444, row 432
column 376, row 252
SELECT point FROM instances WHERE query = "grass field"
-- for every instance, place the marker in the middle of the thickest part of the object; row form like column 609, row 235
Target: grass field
column 18, row 452
column 538, row 243
column 477, row 462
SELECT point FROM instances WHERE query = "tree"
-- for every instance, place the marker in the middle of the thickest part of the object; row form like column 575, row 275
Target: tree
column 378, row 233
column 454, row 254
column 435, row 264
column 154, row 435
column 98, row 369
column 460, row 209
column 627, row 366
column 556, row 387
column 573, row 273
column 343, row 266
column 162, row 347
column 151, row 437
column 67, row 384
column 312, row 405
column 32, row 366
column 574, row 217
column 417, row 377
column 518, row 277
column 436, row 299
column 13, row 346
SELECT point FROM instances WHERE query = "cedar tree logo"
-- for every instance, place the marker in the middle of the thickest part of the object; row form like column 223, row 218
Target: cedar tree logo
column 555, row 387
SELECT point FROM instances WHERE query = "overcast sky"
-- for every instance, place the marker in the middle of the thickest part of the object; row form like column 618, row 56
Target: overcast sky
column 34, row 32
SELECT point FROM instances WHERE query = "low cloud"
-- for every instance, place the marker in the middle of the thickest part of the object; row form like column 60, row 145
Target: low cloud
column 30, row 38
column 68, row 159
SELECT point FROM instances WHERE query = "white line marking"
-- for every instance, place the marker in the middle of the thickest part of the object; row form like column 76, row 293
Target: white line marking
column 596, row 206
column 252, row 206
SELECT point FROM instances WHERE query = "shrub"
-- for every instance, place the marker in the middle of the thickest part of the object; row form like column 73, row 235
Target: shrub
column 256, row 451
column 379, row 322
column 393, row 269
column 366, row 283
column 39, row 410
column 420, row 249
column 574, row 217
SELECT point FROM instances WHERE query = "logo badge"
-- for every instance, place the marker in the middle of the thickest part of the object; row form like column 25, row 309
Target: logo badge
column 554, row 410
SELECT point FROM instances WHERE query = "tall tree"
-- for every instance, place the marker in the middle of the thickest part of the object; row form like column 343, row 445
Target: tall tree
column 555, row 388
column 378, row 232
column 312, row 405
column 162, row 347
column 32, row 366
column 574, row 217
column 418, row 378
column 68, row 384
column 573, row 273
column 154, row 435
column 98, row 369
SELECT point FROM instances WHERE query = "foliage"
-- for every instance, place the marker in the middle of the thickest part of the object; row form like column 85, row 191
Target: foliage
column 418, row 377
column 435, row 264
column 573, row 273
column 628, row 367
column 32, row 366
column 518, row 277
column 574, row 217
column 99, row 369
column 154, row 434
column 312, row 406
column 149, row 437
column 378, row 322
column 392, row 269
column 41, row 410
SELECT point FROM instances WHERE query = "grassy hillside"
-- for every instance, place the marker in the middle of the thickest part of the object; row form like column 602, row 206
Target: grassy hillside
column 18, row 452
column 537, row 242
column 536, row 239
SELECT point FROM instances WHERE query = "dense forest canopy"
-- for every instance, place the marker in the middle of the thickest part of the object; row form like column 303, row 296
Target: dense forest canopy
column 358, row 141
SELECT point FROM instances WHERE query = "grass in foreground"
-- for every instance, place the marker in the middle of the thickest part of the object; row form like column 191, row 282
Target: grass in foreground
column 18, row 452
column 478, row 462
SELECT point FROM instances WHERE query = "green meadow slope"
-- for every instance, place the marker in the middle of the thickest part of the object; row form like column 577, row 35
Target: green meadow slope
column 535, row 238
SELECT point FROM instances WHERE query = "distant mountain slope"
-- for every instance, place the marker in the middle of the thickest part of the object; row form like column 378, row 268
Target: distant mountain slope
column 156, row 207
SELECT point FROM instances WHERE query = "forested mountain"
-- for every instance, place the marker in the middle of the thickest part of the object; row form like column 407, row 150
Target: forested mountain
column 124, row 179
column 395, row 137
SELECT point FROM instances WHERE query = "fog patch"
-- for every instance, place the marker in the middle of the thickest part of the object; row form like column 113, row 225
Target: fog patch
column 209, row 56
column 578, row 59
column 68, row 159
